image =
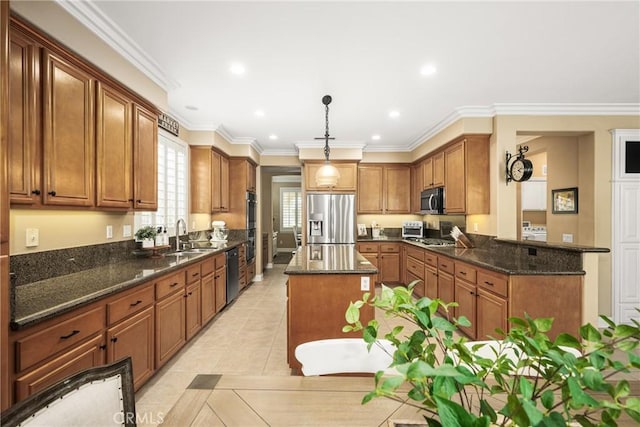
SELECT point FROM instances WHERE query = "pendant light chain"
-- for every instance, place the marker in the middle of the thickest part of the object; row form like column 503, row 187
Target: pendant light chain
column 326, row 133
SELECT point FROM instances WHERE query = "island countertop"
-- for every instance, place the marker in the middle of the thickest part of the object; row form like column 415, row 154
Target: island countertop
column 329, row 259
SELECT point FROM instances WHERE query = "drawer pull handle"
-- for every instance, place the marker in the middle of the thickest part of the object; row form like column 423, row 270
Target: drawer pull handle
column 136, row 303
column 488, row 283
column 195, row 274
column 103, row 347
column 36, row 192
column 114, row 339
column 190, row 293
column 74, row 332
column 464, row 273
column 174, row 284
column 52, row 193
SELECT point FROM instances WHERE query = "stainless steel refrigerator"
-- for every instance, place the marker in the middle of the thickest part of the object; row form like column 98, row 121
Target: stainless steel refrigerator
column 331, row 219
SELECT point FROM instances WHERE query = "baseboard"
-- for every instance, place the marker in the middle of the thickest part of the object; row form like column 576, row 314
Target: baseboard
column 258, row 278
column 269, row 265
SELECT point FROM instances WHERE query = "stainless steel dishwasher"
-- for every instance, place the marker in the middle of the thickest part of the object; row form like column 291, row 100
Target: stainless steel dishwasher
column 233, row 275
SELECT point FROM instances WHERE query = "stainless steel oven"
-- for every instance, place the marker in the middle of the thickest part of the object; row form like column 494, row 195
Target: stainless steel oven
column 251, row 244
column 412, row 229
column 251, row 210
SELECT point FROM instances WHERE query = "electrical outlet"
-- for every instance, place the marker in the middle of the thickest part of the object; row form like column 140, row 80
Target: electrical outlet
column 475, row 226
column 364, row 284
column 567, row 238
column 126, row 230
column 109, row 231
column 33, row 237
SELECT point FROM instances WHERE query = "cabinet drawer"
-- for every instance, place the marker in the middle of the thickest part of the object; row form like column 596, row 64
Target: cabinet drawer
column 430, row 258
column 41, row 345
column 465, row 272
column 416, row 268
column 207, row 266
column 416, row 253
column 221, row 261
column 130, row 304
column 368, row 248
column 193, row 273
column 446, row 265
column 170, row 284
column 493, row 282
column 390, row 247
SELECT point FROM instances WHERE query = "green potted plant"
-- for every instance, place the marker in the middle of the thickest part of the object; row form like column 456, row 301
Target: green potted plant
column 528, row 379
column 146, row 235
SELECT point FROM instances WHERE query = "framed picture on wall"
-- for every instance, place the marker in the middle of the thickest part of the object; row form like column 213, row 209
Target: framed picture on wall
column 565, row 201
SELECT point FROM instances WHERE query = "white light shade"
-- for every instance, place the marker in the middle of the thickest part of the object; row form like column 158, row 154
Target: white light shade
column 327, row 176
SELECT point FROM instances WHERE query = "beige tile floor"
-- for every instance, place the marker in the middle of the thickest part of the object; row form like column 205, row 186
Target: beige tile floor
column 247, row 339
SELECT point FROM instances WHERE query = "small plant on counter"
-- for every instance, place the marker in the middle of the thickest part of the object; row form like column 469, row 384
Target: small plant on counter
column 146, row 234
column 523, row 379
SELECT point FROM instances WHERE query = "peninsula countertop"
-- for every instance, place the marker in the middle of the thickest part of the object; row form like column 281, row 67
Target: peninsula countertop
column 329, row 259
column 38, row 301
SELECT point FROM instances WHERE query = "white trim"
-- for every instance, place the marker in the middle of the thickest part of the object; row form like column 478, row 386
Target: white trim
column 258, row 278
column 286, row 178
column 92, row 17
column 269, row 265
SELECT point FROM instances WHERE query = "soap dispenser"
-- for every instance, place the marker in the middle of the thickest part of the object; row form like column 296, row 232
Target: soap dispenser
column 159, row 239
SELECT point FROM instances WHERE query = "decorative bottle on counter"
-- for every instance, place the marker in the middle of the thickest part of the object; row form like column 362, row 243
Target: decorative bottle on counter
column 159, row 237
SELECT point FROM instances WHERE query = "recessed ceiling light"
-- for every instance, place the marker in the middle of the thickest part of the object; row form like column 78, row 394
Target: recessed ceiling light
column 191, row 107
column 428, row 70
column 375, row 137
column 237, row 69
column 273, row 137
column 259, row 113
column 394, row 114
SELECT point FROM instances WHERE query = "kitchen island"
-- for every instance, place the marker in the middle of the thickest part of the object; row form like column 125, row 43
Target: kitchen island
column 323, row 280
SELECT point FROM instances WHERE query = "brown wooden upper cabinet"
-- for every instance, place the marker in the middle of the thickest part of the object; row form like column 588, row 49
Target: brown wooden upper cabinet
column 384, row 188
column 433, row 170
column 348, row 175
column 209, row 180
column 68, row 133
column 76, row 137
column 467, row 175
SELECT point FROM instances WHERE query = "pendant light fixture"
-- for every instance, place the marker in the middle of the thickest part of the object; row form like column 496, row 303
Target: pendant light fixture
column 327, row 175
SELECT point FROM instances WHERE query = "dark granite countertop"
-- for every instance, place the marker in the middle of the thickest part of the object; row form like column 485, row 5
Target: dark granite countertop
column 329, row 259
column 38, row 301
column 510, row 256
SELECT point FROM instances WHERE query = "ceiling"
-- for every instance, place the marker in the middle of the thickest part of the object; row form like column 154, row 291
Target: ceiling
column 504, row 57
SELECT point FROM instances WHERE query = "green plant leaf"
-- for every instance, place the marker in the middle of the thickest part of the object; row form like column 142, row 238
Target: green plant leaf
column 543, row 324
column 487, row 409
column 526, row 388
column 534, row 414
column 443, row 324
column 568, row 340
column 593, row 379
column 625, row 331
column 590, row 333
column 578, row 396
column 547, row 398
column 368, row 397
column 463, row 321
column 370, row 334
column 621, row 389
column 452, row 414
column 353, row 313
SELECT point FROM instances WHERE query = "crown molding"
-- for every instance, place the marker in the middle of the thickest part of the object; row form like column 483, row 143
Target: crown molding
column 334, row 144
column 92, row 17
column 279, row 152
column 567, row 109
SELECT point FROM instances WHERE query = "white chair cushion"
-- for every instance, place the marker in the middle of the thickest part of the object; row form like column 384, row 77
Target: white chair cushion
column 343, row 355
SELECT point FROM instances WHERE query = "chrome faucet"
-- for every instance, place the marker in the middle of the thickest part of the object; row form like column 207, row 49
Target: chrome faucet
column 180, row 220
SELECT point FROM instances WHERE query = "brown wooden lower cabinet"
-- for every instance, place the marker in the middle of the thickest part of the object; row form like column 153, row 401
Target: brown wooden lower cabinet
column 492, row 313
column 86, row 355
column 220, row 281
column 389, row 263
column 208, row 298
column 134, row 337
column 193, row 319
column 170, row 326
column 465, row 296
column 430, row 282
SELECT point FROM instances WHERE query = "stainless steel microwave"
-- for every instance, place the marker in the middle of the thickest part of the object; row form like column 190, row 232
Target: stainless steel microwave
column 432, row 201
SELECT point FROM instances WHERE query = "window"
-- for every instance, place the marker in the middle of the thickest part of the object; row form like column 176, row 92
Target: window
column 172, row 185
column 290, row 207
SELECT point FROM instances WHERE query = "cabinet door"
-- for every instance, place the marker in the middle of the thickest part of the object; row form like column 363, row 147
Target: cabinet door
column 251, row 177
column 430, row 282
column 417, row 179
column 215, row 182
column 348, row 176
column 438, row 169
column 370, row 190
column 145, row 159
column 492, row 313
column 113, row 149
column 170, row 327
column 194, row 310
column 134, row 337
column 68, row 131
column 418, row 289
column 455, row 186
column 202, row 177
column 390, row 268
column 208, row 298
column 397, row 181
column 84, row 356
column 465, row 296
column 24, row 148
column 445, row 288
column 220, row 280
column 224, row 184
column 427, row 173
